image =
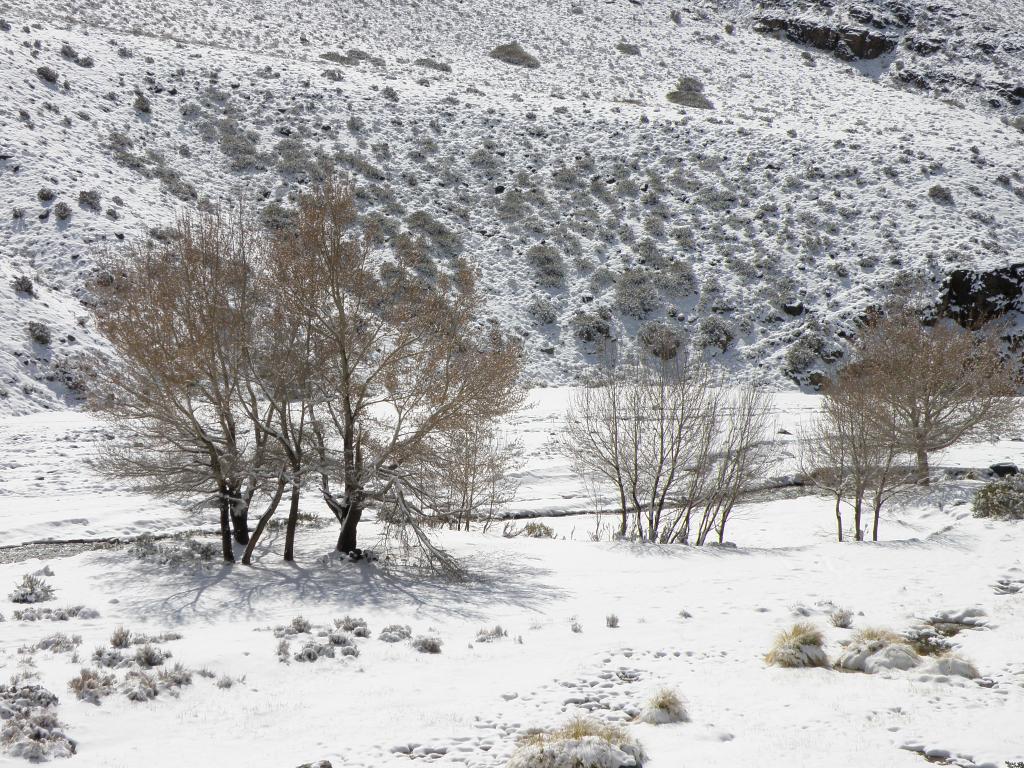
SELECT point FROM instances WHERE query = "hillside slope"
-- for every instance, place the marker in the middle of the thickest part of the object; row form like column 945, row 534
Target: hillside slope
column 753, row 215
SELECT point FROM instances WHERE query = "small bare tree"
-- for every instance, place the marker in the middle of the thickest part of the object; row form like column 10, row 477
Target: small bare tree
column 933, row 386
column 675, row 449
column 852, row 451
column 472, row 472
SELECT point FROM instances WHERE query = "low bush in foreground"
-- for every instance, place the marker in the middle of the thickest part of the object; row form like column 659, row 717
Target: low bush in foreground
column 1001, row 499
column 664, row 707
column 873, row 650
column 580, row 743
column 799, row 646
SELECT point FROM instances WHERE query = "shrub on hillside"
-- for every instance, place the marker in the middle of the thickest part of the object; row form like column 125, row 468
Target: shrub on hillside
column 40, row 333
column 799, row 646
column 395, row 633
column 536, row 530
column 660, row 339
column 636, row 293
column 547, row 264
column 1002, row 499
column 689, row 92
column 513, row 53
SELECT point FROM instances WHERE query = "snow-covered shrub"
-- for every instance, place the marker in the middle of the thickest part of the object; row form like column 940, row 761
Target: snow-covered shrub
column 395, row 633
column 284, row 651
column 664, row 707
column 300, row 625
column 635, row 293
column 842, row 618
column 32, row 589
column 576, row 627
column 149, row 656
column 427, row 644
column 175, row 677
column 91, row 686
column 611, row 621
column 58, row 642
column 62, row 211
column 47, row 74
column 90, row 200
column 497, row 632
column 224, row 682
column 927, row 640
column 312, row 651
column 940, row 194
column 29, row 727
column 513, row 53
column 872, row 650
column 108, row 657
column 953, row 665
column 121, row 638
column 139, row 686
column 543, row 310
column 357, row 626
column 1002, row 499
column 581, row 743
column 951, row 620
column 535, row 530
column 344, row 643
column 799, row 646
column 56, row 614
column 175, row 554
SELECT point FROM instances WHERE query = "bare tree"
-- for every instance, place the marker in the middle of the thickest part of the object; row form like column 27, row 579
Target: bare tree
column 403, row 358
column 472, row 470
column 180, row 316
column 675, row 449
column 852, row 451
column 933, row 386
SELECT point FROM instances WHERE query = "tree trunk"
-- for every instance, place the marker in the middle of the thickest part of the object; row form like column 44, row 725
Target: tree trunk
column 857, row 509
column 239, row 517
column 923, row 470
column 225, row 529
column 877, row 513
column 293, row 521
column 263, row 521
column 347, row 536
column 839, row 518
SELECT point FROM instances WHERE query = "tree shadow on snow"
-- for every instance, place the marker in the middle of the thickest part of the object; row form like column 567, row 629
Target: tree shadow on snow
column 237, row 591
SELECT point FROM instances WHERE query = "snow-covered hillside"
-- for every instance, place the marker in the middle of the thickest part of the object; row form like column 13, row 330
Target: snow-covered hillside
column 752, row 215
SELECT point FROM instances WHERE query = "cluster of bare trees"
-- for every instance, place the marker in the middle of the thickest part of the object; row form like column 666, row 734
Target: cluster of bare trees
column 249, row 366
column 672, row 445
column 910, row 390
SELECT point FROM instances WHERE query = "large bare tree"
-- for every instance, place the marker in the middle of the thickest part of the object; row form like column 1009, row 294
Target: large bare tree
column 180, row 315
column 403, row 357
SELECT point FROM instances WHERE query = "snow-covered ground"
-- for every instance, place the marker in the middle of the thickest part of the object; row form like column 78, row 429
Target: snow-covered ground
column 697, row 620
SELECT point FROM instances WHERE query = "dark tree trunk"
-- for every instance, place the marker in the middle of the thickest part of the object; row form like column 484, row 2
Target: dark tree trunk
column 225, row 528
column 239, row 517
column 839, row 519
column 857, row 510
column 293, row 521
column 347, row 536
column 263, row 521
column 923, row 470
column 874, row 526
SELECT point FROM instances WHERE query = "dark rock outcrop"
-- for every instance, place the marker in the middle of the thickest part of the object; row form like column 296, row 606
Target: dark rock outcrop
column 972, row 296
column 847, row 43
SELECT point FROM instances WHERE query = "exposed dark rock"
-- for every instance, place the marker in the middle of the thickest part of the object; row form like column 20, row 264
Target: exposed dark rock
column 793, row 308
column 1004, row 469
column 845, row 42
column 970, row 296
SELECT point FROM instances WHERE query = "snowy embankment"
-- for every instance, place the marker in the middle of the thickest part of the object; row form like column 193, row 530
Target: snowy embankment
column 694, row 621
